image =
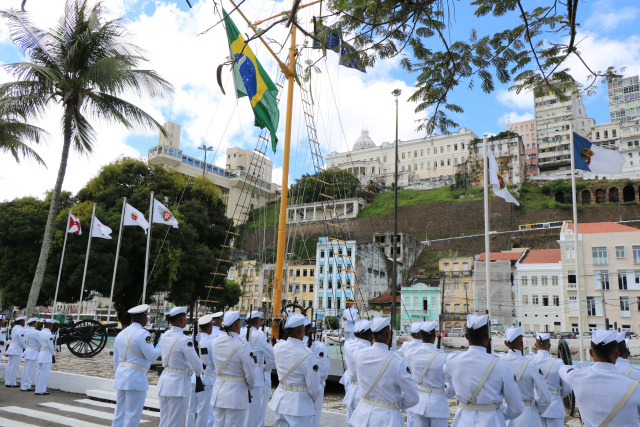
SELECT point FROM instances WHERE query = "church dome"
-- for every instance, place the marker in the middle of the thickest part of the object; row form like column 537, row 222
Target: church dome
column 364, row 141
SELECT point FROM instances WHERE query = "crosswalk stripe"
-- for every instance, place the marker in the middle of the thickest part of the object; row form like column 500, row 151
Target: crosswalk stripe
column 12, row 423
column 82, row 411
column 113, row 406
column 46, row 416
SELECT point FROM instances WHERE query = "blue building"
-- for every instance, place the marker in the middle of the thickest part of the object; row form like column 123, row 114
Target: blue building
column 335, row 275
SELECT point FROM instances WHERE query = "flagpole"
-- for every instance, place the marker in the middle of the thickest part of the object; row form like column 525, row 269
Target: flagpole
column 146, row 258
column 64, row 246
column 115, row 266
column 86, row 260
column 575, row 242
column 487, row 252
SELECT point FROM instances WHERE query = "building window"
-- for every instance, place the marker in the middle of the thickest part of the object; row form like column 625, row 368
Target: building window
column 556, row 301
column 321, row 269
column 310, row 288
column 601, row 279
column 348, row 251
column 297, row 272
column 534, row 299
column 599, row 255
column 638, row 302
column 290, row 288
column 544, row 280
column 534, row 280
column 312, row 272
column 321, row 253
column 636, row 254
column 571, row 253
column 545, row 300
column 425, row 304
column 330, row 253
column 304, row 273
column 591, row 306
column 554, row 280
column 402, row 156
column 614, row 133
column 571, row 278
column 620, row 252
column 415, row 153
column 525, row 299
column 291, row 273
column 524, row 281
column 624, row 304
column 622, row 279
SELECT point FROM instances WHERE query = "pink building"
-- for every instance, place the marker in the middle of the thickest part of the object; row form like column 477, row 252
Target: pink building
column 527, row 131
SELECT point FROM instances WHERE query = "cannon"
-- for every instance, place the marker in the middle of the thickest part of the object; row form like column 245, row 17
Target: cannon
column 564, row 354
column 85, row 338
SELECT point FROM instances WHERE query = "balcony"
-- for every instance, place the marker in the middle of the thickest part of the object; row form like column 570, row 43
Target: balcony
column 624, row 313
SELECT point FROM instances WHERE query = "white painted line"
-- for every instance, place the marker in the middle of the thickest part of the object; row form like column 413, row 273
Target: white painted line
column 113, row 406
column 46, row 416
column 82, row 411
column 12, row 423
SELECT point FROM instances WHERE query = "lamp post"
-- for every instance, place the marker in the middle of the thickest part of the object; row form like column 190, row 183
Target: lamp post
column 204, row 148
column 394, row 271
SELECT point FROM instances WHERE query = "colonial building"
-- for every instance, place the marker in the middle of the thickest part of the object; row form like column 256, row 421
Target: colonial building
column 527, row 131
column 456, row 280
column 299, row 284
column 420, row 302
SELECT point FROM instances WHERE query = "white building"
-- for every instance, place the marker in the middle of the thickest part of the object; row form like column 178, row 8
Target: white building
column 509, row 152
column 325, row 210
column 539, row 299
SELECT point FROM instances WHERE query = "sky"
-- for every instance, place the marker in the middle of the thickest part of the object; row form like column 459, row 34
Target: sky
column 346, row 101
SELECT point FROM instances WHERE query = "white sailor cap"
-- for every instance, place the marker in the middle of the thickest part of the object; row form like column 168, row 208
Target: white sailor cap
column 177, row 310
column 139, row 309
column 427, row 326
column 379, row 323
column 603, row 337
column 19, row 318
column 620, row 336
column 415, row 327
column 50, row 321
column 512, row 333
column 542, row 336
column 476, row 322
column 255, row 314
column 365, row 325
column 626, row 342
column 33, row 319
column 307, row 321
column 294, row 320
column 230, row 317
column 205, row 320
column 217, row 315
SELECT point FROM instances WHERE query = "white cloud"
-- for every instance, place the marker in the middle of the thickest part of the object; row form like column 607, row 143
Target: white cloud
column 511, row 99
column 513, row 117
column 604, row 18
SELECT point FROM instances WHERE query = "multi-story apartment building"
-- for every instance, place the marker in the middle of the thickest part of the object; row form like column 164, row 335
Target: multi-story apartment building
column 455, row 278
column 527, row 131
column 300, row 283
column 245, row 183
column 248, row 275
column 539, row 292
column 509, row 153
column 335, row 275
column 610, row 272
column 419, row 302
column 418, row 159
column 554, row 119
column 624, row 100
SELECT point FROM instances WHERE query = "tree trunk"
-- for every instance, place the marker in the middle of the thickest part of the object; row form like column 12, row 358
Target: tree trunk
column 51, row 218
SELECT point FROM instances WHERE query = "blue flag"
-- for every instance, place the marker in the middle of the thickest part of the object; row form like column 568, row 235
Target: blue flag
column 592, row 158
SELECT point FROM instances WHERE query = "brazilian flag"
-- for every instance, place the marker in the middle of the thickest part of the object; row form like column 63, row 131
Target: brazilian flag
column 251, row 80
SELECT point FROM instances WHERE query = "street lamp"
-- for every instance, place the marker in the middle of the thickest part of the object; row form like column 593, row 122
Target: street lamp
column 205, row 149
column 394, row 278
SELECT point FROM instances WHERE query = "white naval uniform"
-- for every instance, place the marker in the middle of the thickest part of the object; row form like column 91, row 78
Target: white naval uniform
column 554, row 415
column 180, row 360
column 236, row 376
column 260, row 349
column 530, row 380
column 293, row 400
column 32, row 339
column 319, row 350
column 404, row 351
column 348, row 345
column 269, row 363
column 349, row 325
column 16, row 348
column 465, row 370
column 200, row 403
column 623, row 365
column 433, row 408
column 352, row 395
column 45, row 359
column 133, row 352
column 396, row 390
column 598, row 389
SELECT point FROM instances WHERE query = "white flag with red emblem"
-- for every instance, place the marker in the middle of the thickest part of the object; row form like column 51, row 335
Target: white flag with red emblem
column 133, row 216
column 498, row 183
column 74, row 225
column 100, row 230
column 162, row 215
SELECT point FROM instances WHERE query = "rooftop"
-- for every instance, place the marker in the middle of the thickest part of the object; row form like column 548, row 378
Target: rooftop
column 502, row 256
column 542, row 256
column 385, row 299
column 602, row 227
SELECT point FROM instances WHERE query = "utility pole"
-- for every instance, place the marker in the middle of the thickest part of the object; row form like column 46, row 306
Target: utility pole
column 394, row 281
column 466, row 297
column 604, row 307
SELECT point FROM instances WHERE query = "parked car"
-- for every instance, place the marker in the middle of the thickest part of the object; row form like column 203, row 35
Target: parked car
column 587, row 334
column 529, row 334
column 630, row 335
column 456, row 332
column 566, row 335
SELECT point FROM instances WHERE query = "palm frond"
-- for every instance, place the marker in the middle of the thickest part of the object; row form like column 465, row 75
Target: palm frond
column 116, row 110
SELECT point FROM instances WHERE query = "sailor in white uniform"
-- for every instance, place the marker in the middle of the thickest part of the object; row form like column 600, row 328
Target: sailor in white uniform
column 482, row 381
column 533, row 389
column 549, row 366
column 260, row 350
column 133, row 352
column 269, row 363
column 605, row 396
column 46, row 357
column 14, row 352
column 622, row 364
column 427, row 365
column 180, row 361
column 32, row 339
column 349, row 345
column 349, row 319
column 385, row 382
column 299, row 378
column 363, row 340
column 236, row 374
column 200, row 403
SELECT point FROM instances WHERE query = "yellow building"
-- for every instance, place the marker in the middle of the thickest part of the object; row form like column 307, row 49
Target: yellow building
column 300, row 282
column 455, row 277
column 247, row 275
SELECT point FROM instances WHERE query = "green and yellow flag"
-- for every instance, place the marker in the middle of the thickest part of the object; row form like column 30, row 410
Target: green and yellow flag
column 251, row 80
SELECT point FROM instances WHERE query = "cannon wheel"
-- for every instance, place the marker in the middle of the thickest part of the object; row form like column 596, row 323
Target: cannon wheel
column 565, row 355
column 89, row 338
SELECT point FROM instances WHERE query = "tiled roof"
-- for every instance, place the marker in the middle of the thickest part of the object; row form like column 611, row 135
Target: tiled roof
column 542, row 256
column 385, row 299
column 602, row 227
column 502, row 256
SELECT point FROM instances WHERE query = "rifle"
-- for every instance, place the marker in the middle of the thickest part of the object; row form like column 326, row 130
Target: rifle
column 156, row 337
column 310, row 338
column 199, row 383
column 248, row 337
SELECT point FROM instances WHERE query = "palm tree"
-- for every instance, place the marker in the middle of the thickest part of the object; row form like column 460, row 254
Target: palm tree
column 84, row 64
column 14, row 131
